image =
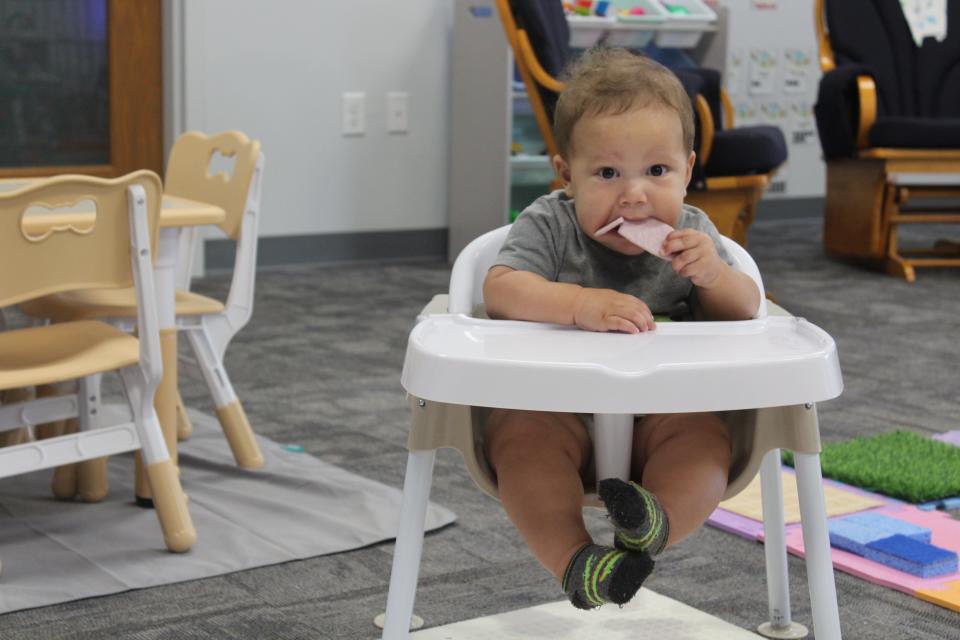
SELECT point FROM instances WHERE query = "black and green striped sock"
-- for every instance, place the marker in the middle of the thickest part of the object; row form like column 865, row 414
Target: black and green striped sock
column 641, row 523
column 596, row 575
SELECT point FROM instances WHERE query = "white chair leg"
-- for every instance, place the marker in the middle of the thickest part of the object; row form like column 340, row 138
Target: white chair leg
column 211, row 366
column 816, row 542
column 612, row 445
column 92, row 483
column 406, row 554
column 230, row 413
column 169, row 501
column 780, row 624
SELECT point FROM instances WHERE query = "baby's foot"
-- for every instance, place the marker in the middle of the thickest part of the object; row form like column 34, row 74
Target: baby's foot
column 598, row 574
column 641, row 523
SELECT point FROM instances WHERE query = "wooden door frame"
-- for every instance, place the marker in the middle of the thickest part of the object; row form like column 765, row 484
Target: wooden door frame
column 134, row 42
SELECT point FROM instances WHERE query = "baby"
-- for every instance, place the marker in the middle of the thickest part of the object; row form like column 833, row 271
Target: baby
column 624, row 129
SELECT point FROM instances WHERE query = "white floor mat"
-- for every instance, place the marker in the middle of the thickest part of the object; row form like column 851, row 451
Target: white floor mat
column 296, row 507
column 648, row 615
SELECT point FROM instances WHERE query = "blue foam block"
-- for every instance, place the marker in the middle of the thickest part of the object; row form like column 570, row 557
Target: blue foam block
column 893, row 525
column 951, row 503
column 916, row 558
column 853, row 533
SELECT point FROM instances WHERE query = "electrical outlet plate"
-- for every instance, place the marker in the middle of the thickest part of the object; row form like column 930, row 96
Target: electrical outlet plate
column 353, row 113
column 398, row 103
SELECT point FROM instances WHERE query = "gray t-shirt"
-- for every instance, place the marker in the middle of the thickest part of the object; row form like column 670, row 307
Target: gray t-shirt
column 547, row 240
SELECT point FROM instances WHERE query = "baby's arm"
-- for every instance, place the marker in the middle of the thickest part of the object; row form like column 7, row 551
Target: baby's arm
column 724, row 293
column 522, row 295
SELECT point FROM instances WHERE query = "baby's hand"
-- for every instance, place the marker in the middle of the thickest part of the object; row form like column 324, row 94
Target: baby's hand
column 694, row 256
column 608, row 310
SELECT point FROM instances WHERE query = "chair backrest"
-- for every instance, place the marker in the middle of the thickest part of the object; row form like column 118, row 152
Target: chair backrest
column 471, row 266
column 189, row 172
column 913, row 81
column 470, row 269
column 71, row 232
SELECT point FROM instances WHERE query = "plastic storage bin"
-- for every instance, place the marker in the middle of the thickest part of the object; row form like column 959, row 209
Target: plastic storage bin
column 586, row 31
column 634, row 32
column 683, row 30
column 530, row 170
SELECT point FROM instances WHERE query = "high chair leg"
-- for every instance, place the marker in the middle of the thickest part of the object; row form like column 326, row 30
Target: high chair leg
column 406, row 554
column 780, row 624
column 612, row 445
column 816, row 543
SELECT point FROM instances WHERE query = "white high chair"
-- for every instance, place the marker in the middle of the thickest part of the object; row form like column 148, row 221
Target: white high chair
column 764, row 374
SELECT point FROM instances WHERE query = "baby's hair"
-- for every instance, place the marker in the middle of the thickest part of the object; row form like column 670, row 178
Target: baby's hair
column 610, row 80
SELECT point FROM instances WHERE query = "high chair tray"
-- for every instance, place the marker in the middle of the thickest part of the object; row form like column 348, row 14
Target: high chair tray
column 680, row 367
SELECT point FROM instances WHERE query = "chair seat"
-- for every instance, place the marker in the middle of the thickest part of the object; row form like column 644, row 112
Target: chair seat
column 746, row 151
column 41, row 355
column 110, row 303
column 916, row 133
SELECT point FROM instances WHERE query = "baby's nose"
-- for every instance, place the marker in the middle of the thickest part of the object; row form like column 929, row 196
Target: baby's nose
column 634, row 193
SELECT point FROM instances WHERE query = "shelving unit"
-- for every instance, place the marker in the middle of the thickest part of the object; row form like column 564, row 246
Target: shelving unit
column 489, row 176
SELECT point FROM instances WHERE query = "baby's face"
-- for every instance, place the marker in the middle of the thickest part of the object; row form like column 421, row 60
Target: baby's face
column 631, row 164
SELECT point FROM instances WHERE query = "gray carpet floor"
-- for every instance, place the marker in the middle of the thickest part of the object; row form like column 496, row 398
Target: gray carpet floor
column 319, row 366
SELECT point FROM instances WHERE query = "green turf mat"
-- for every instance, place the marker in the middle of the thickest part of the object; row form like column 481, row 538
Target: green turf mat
column 901, row 464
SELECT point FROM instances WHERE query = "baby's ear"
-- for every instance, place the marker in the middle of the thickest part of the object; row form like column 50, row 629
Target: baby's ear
column 691, row 161
column 562, row 169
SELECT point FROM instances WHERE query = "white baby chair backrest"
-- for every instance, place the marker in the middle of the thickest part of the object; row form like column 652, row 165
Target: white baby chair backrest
column 471, row 266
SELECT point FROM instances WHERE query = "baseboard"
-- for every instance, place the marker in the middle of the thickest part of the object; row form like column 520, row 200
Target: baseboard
column 772, row 210
column 374, row 246
column 416, row 244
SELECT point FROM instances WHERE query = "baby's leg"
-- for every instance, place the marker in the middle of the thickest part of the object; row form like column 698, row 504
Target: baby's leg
column 538, row 458
column 682, row 462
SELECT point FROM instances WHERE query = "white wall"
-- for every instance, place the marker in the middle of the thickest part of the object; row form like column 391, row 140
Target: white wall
column 772, row 74
column 276, row 70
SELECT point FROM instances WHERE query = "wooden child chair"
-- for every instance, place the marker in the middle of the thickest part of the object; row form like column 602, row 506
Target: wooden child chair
column 93, row 233
column 764, row 375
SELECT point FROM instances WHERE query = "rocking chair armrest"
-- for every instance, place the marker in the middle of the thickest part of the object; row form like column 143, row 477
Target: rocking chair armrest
column 707, row 129
column 540, row 74
column 867, row 92
column 846, row 110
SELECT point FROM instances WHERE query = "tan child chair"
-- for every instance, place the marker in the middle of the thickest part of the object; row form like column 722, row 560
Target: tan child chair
column 209, row 324
column 69, row 233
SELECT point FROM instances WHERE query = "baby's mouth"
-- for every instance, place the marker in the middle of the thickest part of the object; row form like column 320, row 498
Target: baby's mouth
column 649, row 234
column 609, row 226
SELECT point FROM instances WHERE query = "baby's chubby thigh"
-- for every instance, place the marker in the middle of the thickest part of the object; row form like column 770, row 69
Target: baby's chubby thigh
column 690, row 437
column 512, row 435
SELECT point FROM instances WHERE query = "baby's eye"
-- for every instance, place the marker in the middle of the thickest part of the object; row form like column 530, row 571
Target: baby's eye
column 608, row 173
column 658, row 170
